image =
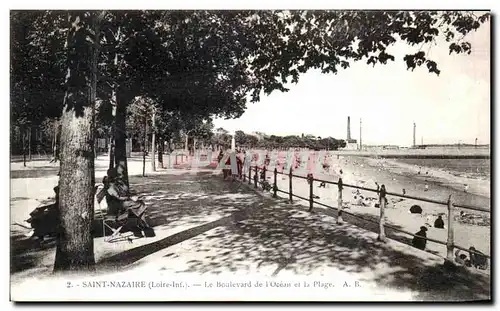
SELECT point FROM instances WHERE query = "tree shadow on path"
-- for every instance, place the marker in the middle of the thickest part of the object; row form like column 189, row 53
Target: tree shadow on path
column 194, row 202
column 289, row 238
column 176, row 203
column 244, row 229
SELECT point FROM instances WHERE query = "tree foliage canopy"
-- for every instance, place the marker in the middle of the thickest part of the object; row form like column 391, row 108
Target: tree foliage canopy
column 207, row 62
column 288, row 43
column 285, row 142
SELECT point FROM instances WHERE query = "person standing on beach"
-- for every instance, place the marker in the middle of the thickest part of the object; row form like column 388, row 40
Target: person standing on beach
column 419, row 240
column 439, row 223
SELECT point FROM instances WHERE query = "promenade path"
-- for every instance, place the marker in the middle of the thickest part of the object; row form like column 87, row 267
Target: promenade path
column 210, row 229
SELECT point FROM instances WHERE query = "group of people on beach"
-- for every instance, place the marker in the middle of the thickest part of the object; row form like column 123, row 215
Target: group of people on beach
column 476, row 258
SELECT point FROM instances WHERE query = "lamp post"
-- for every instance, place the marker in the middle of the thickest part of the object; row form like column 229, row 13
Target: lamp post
column 233, row 142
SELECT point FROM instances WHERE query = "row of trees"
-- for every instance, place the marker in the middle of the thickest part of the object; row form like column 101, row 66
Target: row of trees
column 285, row 142
column 92, row 71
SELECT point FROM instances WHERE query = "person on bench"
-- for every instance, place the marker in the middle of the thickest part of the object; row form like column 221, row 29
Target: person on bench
column 44, row 220
column 124, row 206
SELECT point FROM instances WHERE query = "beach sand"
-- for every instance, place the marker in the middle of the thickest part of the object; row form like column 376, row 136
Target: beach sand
column 396, row 176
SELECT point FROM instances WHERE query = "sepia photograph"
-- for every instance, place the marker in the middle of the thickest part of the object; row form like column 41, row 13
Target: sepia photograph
column 250, row 155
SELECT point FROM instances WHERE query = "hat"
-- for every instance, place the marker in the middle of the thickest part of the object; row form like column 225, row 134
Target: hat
column 423, row 228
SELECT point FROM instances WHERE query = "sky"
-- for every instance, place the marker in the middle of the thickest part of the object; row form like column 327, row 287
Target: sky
column 453, row 107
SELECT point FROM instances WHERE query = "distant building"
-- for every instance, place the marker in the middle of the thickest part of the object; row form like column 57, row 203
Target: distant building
column 351, row 144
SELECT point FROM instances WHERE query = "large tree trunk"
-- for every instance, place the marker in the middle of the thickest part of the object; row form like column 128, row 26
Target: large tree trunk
column 54, row 139
column 144, row 146
column 55, row 148
column 161, row 145
column 75, row 244
column 111, row 152
column 120, row 136
column 112, row 135
column 114, row 99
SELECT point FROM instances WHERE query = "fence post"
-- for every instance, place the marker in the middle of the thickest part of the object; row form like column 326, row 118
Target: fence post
column 290, row 189
column 449, row 241
column 263, row 176
column 250, row 174
column 311, row 198
column 381, row 235
column 255, row 176
column 275, row 186
column 339, row 203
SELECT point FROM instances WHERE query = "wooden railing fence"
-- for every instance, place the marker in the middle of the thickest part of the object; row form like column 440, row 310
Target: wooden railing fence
column 382, row 194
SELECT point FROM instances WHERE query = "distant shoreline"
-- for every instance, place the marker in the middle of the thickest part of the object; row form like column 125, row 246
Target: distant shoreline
column 428, row 156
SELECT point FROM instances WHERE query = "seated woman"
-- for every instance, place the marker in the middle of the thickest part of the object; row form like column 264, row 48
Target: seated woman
column 478, row 259
column 462, row 259
column 121, row 205
column 44, row 220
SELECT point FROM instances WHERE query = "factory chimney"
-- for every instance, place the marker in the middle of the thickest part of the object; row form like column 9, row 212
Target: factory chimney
column 348, row 128
column 414, row 134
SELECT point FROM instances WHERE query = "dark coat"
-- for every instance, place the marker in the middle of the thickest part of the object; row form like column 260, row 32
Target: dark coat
column 418, row 240
column 415, row 209
column 479, row 261
column 439, row 223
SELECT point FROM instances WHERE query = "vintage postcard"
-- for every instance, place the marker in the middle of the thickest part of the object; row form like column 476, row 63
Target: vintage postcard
column 250, row 155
